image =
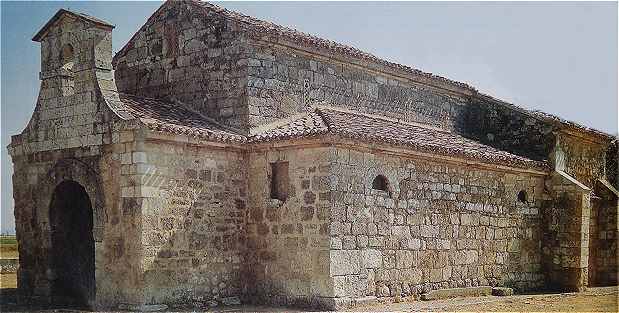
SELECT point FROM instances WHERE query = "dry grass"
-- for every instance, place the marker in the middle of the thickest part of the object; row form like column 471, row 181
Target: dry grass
column 9, row 252
column 578, row 302
column 8, row 247
column 8, row 280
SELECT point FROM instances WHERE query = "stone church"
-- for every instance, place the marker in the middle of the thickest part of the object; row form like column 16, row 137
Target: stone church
column 219, row 156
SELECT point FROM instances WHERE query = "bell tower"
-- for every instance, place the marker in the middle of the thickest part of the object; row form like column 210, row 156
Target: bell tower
column 76, row 73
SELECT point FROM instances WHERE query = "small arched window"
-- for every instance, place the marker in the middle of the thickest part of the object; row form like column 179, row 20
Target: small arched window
column 380, row 183
column 522, row 196
column 67, row 57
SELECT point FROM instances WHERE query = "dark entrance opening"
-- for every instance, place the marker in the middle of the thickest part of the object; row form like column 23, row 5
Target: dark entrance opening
column 73, row 245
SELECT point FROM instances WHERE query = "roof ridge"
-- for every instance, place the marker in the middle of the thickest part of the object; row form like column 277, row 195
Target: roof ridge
column 277, row 123
column 545, row 116
column 188, row 108
column 380, row 117
column 128, row 45
column 208, row 119
column 41, row 33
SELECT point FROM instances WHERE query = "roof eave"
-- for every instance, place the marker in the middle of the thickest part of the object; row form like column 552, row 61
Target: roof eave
column 549, row 118
column 532, row 167
column 97, row 22
column 199, row 140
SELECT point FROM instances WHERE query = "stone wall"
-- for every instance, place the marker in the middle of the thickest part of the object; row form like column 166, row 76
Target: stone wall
column 566, row 218
column 115, row 232
column 192, row 201
column 288, row 242
column 438, row 226
column 603, row 231
column 583, row 159
column 507, row 128
column 184, row 54
column 181, row 220
column 197, row 56
column 283, row 81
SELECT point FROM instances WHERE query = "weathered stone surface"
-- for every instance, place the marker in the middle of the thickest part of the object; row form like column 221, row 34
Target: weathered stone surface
column 371, row 258
column 345, row 262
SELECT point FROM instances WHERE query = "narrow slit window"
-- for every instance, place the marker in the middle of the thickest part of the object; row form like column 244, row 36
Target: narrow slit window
column 279, row 180
column 380, row 183
column 522, row 197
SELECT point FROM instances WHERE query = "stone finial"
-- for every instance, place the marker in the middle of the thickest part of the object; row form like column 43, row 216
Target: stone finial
column 557, row 157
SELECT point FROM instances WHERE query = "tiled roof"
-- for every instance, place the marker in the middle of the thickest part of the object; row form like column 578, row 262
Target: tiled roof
column 263, row 29
column 304, row 125
column 173, row 118
column 547, row 117
column 61, row 12
column 176, row 118
column 570, row 124
column 366, row 127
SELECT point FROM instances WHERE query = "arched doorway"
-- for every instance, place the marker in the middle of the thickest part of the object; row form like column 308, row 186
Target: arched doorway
column 73, row 246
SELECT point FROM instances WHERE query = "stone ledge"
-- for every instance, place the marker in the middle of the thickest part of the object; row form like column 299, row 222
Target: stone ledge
column 502, row 291
column 457, row 292
column 343, row 303
column 369, row 300
column 143, row 307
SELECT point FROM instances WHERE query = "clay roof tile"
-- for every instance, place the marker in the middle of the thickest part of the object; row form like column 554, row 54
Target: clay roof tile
column 368, row 128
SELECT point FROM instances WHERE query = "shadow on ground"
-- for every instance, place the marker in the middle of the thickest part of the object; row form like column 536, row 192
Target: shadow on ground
column 602, row 299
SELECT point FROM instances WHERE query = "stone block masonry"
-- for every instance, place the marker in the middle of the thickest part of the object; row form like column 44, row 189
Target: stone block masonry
column 73, row 136
column 566, row 234
column 200, row 60
column 193, row 205
column 437, row 226
column 284, row 81
column 603, row 236
column 242, row 160
column 288, row 239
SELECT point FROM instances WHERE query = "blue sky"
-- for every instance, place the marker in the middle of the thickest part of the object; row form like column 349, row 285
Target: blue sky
column 559, row 57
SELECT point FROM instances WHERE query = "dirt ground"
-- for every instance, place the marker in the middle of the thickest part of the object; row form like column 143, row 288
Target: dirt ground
column 602, row 299
column 8, row 248
column 8, row 280
column 594, row 300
